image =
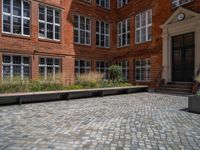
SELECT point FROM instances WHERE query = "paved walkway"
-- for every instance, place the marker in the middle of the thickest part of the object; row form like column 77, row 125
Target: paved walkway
column 135, row 121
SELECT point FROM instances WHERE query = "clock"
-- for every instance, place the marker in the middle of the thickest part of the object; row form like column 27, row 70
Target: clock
column 181, row 16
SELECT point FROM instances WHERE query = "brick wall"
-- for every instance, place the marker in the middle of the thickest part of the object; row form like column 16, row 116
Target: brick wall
column 68, row 51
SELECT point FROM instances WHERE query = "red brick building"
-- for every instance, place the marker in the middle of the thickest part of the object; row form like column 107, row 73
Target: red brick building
column 146, row 37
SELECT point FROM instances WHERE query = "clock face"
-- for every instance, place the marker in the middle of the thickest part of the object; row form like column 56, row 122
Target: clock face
column 181, row 16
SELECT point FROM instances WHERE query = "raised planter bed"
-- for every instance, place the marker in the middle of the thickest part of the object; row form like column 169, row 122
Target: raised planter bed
column 22, row 98
column 194, row 104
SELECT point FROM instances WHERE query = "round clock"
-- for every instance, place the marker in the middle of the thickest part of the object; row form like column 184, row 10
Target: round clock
column 181, row 16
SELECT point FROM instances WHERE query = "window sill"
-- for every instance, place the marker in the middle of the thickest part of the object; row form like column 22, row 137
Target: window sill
column 16, row 36
column 104, row 48
column 49, row 40
column 84, row 45
column 127, row 46
column 143, row 43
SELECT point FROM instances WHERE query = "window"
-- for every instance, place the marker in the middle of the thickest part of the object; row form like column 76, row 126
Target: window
column 49, row 23
column 124, row 68
column 103, row 3
column 102, row 34
column 176, row 3
column 103, row 68
column 123, row 33
column 16, row 17
column 142, row 70
column 15, row 67
column 143, row 27
column 50, row 68
column 82, row 30
column 121, row 3
column 82, row 66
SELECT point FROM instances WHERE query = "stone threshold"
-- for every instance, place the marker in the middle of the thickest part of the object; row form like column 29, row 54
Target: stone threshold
column 33, row 97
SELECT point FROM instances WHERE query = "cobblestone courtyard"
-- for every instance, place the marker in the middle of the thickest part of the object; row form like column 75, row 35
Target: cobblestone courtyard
column 135, row 121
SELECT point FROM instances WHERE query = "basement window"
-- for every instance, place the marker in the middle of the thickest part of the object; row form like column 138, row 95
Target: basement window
column 16, row 68
column 82, row 66
column 143, row 70
column 50, row 68
column 102, row 67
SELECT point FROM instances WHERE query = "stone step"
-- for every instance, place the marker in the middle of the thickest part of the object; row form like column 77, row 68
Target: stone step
column 180, row 83
column 175, row 92
column 178, row 86
column 188, row 90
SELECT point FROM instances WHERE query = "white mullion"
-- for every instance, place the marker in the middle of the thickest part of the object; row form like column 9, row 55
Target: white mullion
column 11, row 68
column 54, row 72
column 45, row 69
column 22, row 68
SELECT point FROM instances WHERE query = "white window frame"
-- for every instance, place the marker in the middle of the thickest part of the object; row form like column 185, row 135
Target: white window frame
column 22, row 17
column 53, row 66
column 121, row 33
column 146, row 27
column 11, row 65
column 78, row 29
column 105, row 35
column 103, row 5
column 86, row 68
column 145, row 68
column 177, row 3
column 45, row 23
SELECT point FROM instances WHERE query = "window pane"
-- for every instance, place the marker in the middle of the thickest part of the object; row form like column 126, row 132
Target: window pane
column 16, row 59
column 16, row 25
column 49, row 15
column 42, row 13
column 41, row 29
column 26, row 27
column 6, row 59
column 26, row 9
column 6, row 23
column 17, row 7
column 6, row 6
column 50, row 31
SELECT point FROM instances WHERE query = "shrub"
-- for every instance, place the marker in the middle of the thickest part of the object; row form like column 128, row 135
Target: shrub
column 115, row 73
column 89, row 80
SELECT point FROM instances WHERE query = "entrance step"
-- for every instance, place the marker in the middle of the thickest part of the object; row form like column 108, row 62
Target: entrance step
column 177, row 88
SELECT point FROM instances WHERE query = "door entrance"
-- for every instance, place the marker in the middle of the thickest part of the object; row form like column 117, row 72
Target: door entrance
column 183, row 57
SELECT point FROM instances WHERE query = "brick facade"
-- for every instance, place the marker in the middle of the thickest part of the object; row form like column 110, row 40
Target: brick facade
column 68, row 51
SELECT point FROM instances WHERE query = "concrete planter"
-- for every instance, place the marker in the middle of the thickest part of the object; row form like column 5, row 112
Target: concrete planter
column 22, row 98
column 194, row 104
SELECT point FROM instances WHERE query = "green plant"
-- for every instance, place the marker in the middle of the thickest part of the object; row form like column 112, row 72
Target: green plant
column 115, row 73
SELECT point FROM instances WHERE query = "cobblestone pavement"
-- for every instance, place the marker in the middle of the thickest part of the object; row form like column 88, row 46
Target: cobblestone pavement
column 135, row 121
